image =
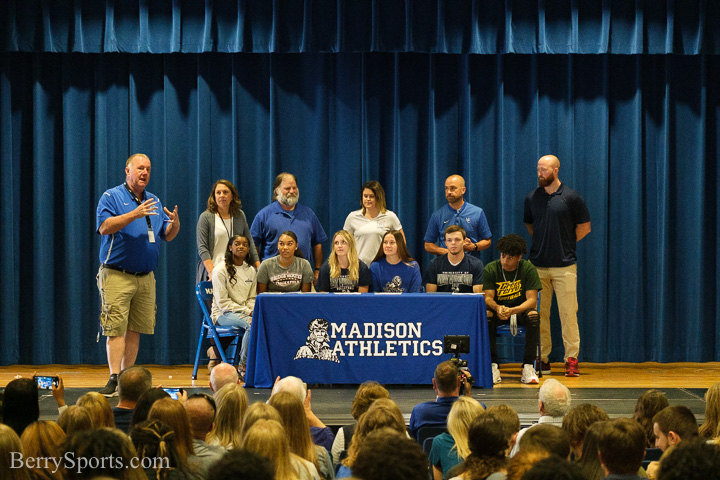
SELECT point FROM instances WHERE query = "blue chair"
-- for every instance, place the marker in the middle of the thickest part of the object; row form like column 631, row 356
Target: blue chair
column 208, row 330
column 511, row 347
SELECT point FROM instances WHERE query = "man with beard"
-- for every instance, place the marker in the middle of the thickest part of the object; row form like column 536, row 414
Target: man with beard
column 557, row 218
column 285, row 213
column 458, row 212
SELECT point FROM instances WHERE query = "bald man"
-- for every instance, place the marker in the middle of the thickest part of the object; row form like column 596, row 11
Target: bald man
column 458, row 212
column 557, row 218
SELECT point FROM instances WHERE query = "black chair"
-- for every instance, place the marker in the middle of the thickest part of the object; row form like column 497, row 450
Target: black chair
column 429, row 432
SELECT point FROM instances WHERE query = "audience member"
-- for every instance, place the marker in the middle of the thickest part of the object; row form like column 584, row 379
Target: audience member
column 369, row 223
column 44, row 439
column 267, row 438
column 554, row 468
column 590, row 461
column 510, row 420
column 454, row 271
column 99, row 409
column 671, row 426
column 382, row 413
column 132, row 383
column 446, row 383
column 297, row 430
column 242, row 464
column 449, row 449
column 488, row 443
column 74, row 419
column 553, row 403
column 343, row 272
column 171, row 413
column 647, row 406
column 259, row 411
column 389, row 455
column 200, row 409
column 223, row 374
column 321, row 434
column 21, row 404
column 710, row 429
column 157, row 444
column 89, row 445
column 145, row 403
column 288, row 271
column 524, row 461
column 9, row 447
column 232, row 402
column 393, row 269
column 545, row 436
column 621, row 449
column 694, row 460
column 577, row 421
column 366, row 393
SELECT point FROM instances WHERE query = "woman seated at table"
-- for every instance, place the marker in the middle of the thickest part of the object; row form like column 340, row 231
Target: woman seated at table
column 369, row 223
column 394, row 270
column 286, row 272
column 343, row 271
column 234, row 291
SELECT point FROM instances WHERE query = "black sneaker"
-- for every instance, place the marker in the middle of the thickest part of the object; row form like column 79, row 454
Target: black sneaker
column 545, row 368
column 110, row 389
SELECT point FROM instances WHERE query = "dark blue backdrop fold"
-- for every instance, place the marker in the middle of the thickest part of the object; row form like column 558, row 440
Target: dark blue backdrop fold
column 636, row 134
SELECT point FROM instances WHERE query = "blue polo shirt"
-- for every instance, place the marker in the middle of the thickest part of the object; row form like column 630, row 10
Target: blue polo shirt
column 272, row 220
column 129, row 248
column 554, row 218
column 470, row 217
column 430, row 414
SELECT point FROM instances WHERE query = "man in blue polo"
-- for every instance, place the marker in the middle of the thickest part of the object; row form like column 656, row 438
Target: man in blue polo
column 285, row 213
column 131, row 222
column 458, row 212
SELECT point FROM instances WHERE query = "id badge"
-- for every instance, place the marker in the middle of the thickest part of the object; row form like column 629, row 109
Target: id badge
column 151, row 235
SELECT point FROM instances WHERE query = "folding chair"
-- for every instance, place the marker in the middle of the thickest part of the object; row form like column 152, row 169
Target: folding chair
column 208, row 330
column 503, row 331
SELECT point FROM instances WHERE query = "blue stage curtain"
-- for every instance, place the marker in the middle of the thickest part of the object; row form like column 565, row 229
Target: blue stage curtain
column 424, row 26
column 636, row 135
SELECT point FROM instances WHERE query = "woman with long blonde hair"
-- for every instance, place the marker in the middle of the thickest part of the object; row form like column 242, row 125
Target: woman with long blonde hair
column 232, row 403
column 172, row 413
column 449, row 449
column 710, row 429
column 10, row 445
column 99, row 409
column 268, row 438
column 44, row 439
column 343, row 271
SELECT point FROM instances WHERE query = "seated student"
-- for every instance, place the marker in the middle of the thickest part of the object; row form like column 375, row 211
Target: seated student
column 648, row 405
column 21, row 405
column 576, row 423
column 234, row 291
column 342, row 271
column 389, row 455
column 672, row 425
column 393, row 269
column 451, row 448
column 621, row 449
column 488, row 443
column 286, row 272
column 511, row 289
column 454, row 272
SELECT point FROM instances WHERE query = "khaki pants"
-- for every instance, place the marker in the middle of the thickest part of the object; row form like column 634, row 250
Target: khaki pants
column 127, row 302
column 563, row 282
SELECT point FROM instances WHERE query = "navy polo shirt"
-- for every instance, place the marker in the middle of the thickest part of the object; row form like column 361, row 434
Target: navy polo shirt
column 554, row 218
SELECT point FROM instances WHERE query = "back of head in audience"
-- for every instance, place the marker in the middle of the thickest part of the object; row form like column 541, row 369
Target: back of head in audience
column 390, row 455
column 99, row 409
column 510, row 420
column 554, row 468
column 382, row 413
column 462, row 413
column 488, row 443
column 522, row 462
column 74, row 419
column 577, row 421
column 691, row 460
column 621, row 446
column 550, row 438
column 242, row 464
column 145, row 403
column 445, row 379
column 9, row 445
column 232, row 403
column 711, row 426
column 43, row 439
column 156, row 440
column 647, row 406
column 296, row 425
column 21, row 404
column 674, row 424
column 259, row 411
column 267, row 438
column 589, row 461
column 553, row 398
column 133, row 382
column 366, row 394
column 293, row 385
column 172, row 413
column 221, row 375
column 200, row 410
column 88, row 445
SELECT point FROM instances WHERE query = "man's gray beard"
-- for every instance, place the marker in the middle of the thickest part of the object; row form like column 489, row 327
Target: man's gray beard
column 288, row 201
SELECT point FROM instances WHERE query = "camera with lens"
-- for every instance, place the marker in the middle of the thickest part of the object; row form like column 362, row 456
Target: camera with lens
column 455, row 345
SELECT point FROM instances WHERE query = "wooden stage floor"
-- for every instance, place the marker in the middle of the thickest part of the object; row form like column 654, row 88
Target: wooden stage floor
column 613, row 387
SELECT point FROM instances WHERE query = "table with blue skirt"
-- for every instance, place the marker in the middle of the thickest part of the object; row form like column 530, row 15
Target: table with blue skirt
column 327, row 338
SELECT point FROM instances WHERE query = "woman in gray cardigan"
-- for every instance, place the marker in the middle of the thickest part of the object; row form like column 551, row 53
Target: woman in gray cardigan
column 222, row 219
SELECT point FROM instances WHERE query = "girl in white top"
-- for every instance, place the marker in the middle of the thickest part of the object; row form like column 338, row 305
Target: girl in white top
column 370, row 222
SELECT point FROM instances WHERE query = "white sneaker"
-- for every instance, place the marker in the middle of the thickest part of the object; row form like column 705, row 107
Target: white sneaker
column 529, row 375
column 496, row 374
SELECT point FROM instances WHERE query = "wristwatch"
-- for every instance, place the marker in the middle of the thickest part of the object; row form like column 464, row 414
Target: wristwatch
column 475, row 246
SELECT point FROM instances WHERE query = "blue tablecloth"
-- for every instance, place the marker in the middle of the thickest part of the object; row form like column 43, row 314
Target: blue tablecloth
column 392, row 339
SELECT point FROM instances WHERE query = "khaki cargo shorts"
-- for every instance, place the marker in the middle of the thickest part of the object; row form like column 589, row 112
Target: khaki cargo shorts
column 127, row 302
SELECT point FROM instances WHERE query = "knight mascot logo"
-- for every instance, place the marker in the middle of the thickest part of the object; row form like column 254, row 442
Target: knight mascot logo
column 317, row 344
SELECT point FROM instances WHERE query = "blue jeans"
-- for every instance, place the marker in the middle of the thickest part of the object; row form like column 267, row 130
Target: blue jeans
column 232, row 319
